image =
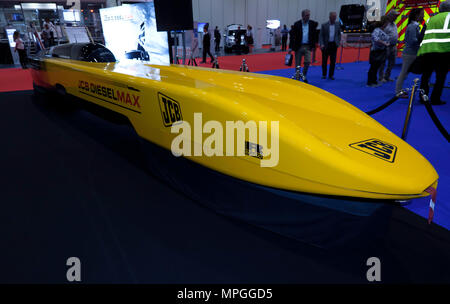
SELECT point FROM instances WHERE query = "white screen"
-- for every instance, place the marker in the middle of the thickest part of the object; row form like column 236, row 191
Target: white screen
column 10, row 33
column 71, row 16
column 273, row 24
column 132, row 28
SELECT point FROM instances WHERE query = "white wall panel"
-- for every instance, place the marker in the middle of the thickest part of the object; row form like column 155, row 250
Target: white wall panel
column 293, row 12
column 217, row 16
column 283, row 6
column 228, row 11
column 195, row 10
column 204, row 10
column 252, row 10
column 240, row 12
column 272, row 10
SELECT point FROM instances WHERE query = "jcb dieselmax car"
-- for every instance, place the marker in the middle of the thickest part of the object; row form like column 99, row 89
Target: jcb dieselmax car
column 326, row 146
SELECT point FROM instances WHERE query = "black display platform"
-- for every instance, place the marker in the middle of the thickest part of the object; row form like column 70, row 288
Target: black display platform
column 72, row 184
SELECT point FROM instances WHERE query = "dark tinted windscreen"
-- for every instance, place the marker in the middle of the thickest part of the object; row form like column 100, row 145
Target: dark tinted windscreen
column 101, row 55
column 96, row 53
column 85, row 52
column 62, row 51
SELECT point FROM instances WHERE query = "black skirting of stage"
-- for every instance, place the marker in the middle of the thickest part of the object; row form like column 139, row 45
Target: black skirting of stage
column 73, row 184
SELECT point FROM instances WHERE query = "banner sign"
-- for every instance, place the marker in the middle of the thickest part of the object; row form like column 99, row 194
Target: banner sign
column 416, row 3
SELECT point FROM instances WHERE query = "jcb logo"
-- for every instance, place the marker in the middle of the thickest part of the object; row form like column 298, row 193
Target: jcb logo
column 170, row 110
column 377, row 148
column 254, row 150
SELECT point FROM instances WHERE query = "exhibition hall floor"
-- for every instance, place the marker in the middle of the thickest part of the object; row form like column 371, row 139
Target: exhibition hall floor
column 72, row 184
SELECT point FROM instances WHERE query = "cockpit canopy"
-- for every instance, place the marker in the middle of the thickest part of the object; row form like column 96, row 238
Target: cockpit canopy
column 90, row 52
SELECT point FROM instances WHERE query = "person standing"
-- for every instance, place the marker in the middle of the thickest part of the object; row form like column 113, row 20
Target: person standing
column 313, row 51
column 249, row 37
column 238, row 40
column 380, row 41
column 45, row 35
column 435, row 49
column 291, row 34
column 412, row 44
column 329, row 39
column 217, row 39
column 20, row 48
column 391, row 50
column 194, row 47
column 50, row 24
column 206, row 44
column 284, row 38
column 303, row 40
column 51, row 30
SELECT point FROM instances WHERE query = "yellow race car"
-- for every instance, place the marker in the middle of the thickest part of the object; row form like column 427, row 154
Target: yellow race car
column 325, row 145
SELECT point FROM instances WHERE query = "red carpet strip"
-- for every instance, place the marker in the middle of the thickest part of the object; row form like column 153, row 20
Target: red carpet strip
column 16, row 79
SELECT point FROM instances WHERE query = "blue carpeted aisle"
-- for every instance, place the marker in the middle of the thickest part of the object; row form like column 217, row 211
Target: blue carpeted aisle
column 350, row 85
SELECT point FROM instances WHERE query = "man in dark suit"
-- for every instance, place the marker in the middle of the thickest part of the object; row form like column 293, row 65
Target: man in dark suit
column 291, row 34
column 206, row 44
column 329, row 39
column 217, row 39
column 303, row 40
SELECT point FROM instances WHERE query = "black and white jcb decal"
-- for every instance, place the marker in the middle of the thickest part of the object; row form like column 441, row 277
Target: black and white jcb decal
column 254, row 150
column 170, row 110
column 377, row 148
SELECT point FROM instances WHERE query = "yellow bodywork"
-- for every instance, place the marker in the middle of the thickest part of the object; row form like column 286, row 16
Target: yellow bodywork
column 318, row 132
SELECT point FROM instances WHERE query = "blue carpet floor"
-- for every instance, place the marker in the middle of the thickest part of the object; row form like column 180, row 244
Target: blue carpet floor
column 350, row 85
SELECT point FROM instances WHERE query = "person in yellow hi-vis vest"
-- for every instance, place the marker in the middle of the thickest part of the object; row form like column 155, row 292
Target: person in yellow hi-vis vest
column 435, row 49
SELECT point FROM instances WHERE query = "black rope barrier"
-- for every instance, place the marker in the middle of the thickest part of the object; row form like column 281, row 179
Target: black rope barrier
column 386, row 104
column 433, row 116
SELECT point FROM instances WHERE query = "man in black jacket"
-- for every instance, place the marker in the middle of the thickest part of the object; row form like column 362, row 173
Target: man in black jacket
column 217, row 39
column 206, row 43
column 291, row 35
column 303, row 40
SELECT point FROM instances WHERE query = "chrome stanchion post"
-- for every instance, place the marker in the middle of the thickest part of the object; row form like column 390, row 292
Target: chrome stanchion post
column 183, row 36
column 176, row 47
column 359, row 47
column 298, row 75
column 402, row 91
column 410, row 106
column 244, row 66
column 215, row 64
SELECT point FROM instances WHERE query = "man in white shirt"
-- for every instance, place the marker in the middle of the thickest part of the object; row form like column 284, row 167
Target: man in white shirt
column 329, row 40
column 50, row 28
